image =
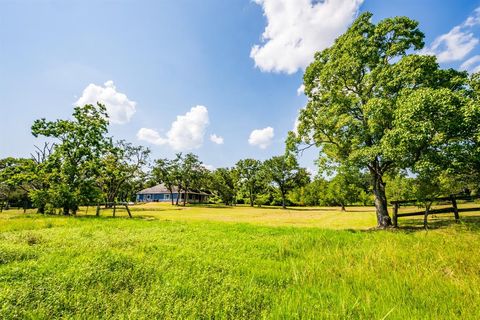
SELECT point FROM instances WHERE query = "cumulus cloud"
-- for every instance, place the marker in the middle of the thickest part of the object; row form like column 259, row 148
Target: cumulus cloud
column 472, row 65
column 458, row 42
column 119, row 108
column 151, row 136
column 261, row 137
column 216, row 139
column 186, row 132
column 296, row 29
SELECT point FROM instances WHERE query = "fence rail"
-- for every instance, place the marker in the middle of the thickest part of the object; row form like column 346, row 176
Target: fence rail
column 453, row 199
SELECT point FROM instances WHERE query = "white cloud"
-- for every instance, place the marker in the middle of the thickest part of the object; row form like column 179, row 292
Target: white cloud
column 296, row 29
column 261, row 137
column 119, row 108
column 452, row 46
column 151, row 136
column 473, row 20
column 209, row 167
column 186, row 133
column 216, row 139
column 472, row 65
column 457, row 43
column 301, row 90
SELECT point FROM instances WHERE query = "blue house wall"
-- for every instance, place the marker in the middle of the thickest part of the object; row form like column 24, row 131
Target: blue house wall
column 156, row 197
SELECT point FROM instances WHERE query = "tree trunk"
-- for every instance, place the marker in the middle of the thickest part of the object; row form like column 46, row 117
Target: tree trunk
column 66, row 211
column 381, row 205
column 179, row 191
column 171, row 196
column 251, row 198
column 343, row 207
column 283, row 201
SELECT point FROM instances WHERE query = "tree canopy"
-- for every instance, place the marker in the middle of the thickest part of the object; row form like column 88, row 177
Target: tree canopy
column 374, row 103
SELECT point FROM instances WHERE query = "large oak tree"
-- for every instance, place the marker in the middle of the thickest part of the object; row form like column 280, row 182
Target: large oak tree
column 373, row 102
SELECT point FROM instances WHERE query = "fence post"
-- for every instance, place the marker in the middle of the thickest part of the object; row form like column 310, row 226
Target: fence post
column 455, row 208
column 395, row 215
column 128, row 210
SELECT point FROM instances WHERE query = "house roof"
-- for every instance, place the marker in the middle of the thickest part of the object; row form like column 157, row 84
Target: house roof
column 160, row 188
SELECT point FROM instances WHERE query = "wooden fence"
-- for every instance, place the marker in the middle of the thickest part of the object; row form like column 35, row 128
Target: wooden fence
column 452, row 199
column 113, row 205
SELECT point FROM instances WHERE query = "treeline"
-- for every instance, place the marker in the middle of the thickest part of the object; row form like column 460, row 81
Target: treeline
column 250, row 182
column 84, row 166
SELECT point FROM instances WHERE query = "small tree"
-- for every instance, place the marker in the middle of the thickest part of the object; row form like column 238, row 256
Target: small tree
column 346, row 187
column 14, row 185
column 249, row 177
column 224, row 183
column 120, row 166
column 165, row 172
column 74, row 164
column 285, row 173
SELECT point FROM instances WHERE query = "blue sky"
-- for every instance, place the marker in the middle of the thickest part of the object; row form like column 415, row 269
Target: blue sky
column 157, row 60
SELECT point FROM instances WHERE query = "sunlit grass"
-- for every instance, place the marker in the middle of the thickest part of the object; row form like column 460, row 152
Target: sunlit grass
column 243, row 262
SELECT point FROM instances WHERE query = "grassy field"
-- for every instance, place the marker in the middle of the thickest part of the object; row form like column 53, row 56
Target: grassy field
column 214, row 262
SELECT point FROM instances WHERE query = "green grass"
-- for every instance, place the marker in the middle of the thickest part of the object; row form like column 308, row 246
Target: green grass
column 237, row 263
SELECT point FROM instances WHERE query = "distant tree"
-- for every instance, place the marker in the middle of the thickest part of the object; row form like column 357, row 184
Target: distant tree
column 346, row 187
column 188, row 173
column 224, row 182
column 14, row 187
column 372, row 102
column 120, row 167
column 250, row 178
column 286, row 174
column 400, row 187
column 165, row 171
column 75, row 162
column 312, row 194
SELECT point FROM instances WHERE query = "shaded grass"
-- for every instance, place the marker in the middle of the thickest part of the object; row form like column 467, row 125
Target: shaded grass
column 84, row 267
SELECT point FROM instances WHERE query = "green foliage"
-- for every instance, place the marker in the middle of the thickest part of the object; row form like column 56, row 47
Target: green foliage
column 121, row 171
column 224, row 181
column 166, row 172
column 346, row 187
column 75, row 162
column 374, row 103
column 312, row 194
column 285, row 173
column 250, row 178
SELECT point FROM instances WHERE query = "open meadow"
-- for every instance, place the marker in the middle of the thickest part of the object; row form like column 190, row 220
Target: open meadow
column 222, row 262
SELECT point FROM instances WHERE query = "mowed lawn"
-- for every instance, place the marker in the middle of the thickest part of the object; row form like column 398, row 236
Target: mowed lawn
column 250, row 263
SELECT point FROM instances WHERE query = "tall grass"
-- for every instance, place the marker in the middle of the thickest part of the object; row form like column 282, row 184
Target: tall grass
column 87, row 267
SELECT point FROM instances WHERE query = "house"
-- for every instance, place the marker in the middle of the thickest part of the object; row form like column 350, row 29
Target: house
column 160, row 193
